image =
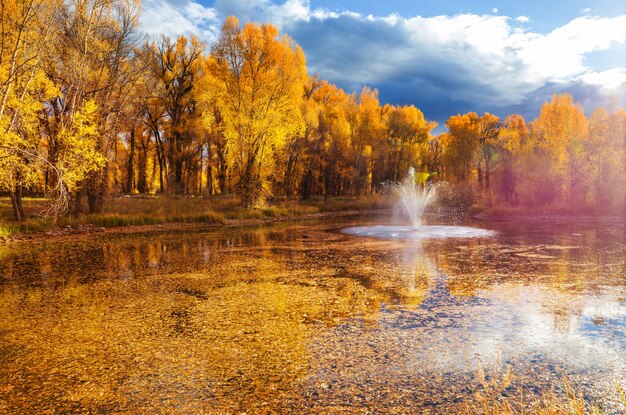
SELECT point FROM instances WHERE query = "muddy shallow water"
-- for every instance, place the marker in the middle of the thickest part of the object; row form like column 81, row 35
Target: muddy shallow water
column 301, row 318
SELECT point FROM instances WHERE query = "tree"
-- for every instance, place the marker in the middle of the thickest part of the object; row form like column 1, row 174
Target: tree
column 333, row 135
column 298, row 162
column 509, row 144
column 606, row 153
column 560, row 132
column 488, row 129
column 176, row 67
column 94, row 61
column 405, row 129
column 27, row 30
column 257, row 78
column 364, row 116
column 461, row 143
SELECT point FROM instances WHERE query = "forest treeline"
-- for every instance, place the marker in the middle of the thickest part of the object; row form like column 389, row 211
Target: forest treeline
column 89, row 107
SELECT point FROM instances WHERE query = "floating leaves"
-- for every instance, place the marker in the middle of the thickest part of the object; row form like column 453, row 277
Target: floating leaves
column 301, row 319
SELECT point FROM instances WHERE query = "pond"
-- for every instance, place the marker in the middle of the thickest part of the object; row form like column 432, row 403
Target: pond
column 301, row 318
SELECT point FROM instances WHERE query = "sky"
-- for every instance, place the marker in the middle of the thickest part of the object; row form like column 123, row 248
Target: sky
column 446, row 57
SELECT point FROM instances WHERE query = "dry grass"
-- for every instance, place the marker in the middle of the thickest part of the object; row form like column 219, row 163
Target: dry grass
column 342, row 204
column 32, row 207
column 494, row 399
column 159, row 209
column 168, row 206
column 8, row 229
column 147, row 210
column 115, row 219
column 507, row 212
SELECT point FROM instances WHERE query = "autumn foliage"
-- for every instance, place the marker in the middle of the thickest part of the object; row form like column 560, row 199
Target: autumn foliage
column 103, row 111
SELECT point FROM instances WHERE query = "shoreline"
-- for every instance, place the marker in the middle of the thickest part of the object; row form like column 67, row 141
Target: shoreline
column 63, row 232
column 544, row 217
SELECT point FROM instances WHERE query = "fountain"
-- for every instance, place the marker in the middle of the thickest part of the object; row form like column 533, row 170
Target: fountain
column 414, row 198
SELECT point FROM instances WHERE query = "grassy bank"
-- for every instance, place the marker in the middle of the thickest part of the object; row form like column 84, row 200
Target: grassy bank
column 510, row 212
column 152, row 210
column 11, row 228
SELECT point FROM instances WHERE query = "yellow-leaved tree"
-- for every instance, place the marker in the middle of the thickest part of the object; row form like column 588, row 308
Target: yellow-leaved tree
column 461, row 145
column 560, row 132
column 511, row 142
column 406, row 129
column 364, row 115
column 94, row 58
column 333, row 132
column 488, row 130
column 27, row 30
column 606, row 166
column 77, row 152
column 257, row 79
column 175, row 68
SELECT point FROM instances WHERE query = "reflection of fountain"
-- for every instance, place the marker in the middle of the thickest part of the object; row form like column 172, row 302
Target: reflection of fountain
column 415, row 273
column 414, row 199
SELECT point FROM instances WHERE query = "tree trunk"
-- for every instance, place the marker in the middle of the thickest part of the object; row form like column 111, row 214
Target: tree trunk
column 222, row 171
column 17, row 214
column 249, row 186
column 209, row 170
column 306, row 185
column 178, row 176
column 327, row 182
column 160, row 159
column 18, row 199
column 77, row 203
column 130, row 171
column 142, row 166
column 96, row 188
column 487, row 174
column 487, row 167
column 176, row 160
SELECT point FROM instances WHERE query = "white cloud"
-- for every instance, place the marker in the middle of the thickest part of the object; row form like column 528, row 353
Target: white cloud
column 487, row 51
column 495, row 10
column 586, row 10
column 200, row 14
column 179, row 18
column 476, row 58
column 608, row 80
column 558, row 56
column 290, row 11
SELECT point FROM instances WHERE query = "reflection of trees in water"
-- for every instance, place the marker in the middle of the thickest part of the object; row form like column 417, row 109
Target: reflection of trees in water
column 230, row 320
column 230, row 337
column 124, row 257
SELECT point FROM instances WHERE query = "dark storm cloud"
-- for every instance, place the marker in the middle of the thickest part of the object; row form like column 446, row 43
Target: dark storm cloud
column 353, row 52
column 486, row 65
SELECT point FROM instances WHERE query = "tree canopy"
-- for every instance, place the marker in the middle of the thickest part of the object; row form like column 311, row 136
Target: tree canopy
column 88, row 108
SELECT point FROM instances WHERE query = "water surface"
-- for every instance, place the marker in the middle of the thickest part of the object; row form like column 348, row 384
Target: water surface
column 304, row 319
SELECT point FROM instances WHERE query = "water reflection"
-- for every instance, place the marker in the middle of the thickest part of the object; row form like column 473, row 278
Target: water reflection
column 294, row 319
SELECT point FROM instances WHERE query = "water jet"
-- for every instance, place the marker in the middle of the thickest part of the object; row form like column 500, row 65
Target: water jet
column 413, row 199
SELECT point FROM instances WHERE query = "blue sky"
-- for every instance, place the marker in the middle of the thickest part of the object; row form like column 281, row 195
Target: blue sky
column 445, row 57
